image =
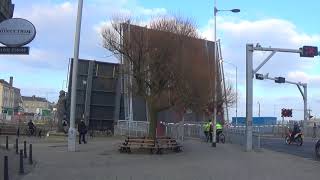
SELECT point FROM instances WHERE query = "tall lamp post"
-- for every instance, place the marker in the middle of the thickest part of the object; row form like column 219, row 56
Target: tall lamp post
column 214, row 143
column 72, row 130
column 223, row 61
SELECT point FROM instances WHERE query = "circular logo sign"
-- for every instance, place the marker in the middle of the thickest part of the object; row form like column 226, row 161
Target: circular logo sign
column 16, row 32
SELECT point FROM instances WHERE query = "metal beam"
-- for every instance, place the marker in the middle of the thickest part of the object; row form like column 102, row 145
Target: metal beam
column 258, row 48
column 264, row 62
column 302, row 94
column 88, row 94
column 288, row 82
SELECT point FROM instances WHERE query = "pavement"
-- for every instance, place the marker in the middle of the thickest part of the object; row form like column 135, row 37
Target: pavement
column 100, row 159
column 13, row 159
column 278, row 144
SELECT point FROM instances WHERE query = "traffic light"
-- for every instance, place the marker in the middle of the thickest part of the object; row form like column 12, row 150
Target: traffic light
column 259, row 76
column 280, row 80
column 286, row 112
column 309, row 51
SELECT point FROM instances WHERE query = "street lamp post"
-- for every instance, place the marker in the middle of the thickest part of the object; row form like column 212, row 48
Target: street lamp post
column 215, row 71
column 72, row 130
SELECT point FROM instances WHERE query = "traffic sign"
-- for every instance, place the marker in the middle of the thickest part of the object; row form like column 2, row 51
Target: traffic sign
column 259, row 76
column 14, row 50
column 280, row 80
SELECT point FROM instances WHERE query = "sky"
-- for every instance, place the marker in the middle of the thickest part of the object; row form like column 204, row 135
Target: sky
column 272, row 23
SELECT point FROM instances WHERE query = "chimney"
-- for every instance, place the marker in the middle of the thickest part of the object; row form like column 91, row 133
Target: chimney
column 11, row 81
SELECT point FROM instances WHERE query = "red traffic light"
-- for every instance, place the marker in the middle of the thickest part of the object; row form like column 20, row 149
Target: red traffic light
column 309, row 51
column 286, row 112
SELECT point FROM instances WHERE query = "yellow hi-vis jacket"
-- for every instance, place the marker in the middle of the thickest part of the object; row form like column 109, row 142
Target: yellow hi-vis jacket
column 206, row 126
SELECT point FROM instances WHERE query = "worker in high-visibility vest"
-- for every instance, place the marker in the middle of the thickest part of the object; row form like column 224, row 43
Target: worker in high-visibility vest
column 219, row 129
column 206, row 128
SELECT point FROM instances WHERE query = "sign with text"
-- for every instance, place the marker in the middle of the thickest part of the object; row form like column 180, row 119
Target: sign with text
column 14, row 50
column 16, row 32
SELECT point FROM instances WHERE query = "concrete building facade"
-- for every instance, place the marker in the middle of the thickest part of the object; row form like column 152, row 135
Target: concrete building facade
column 6, row 96
column 10, row 99
column 34, row 105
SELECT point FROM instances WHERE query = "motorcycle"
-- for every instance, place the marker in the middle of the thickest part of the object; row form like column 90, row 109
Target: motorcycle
column 317, row 149
column 298, row 139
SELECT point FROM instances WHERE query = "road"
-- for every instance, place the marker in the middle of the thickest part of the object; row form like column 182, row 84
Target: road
column 277, row 144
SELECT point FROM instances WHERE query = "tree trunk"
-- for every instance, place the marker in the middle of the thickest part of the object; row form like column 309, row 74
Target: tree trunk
column 152, row 119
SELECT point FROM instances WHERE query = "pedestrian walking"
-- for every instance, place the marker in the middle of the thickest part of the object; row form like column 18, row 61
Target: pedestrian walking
column 314, row 130
column 206, row 128
column 65, row 126
column 40, row 133
column 82, row 128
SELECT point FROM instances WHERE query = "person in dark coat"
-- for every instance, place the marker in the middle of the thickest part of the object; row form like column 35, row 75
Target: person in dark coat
column 82, row 128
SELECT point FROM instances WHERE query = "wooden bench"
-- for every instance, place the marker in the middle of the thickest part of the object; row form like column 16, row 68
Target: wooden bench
column 8, row 130
column 154, row 146
column 170, row 143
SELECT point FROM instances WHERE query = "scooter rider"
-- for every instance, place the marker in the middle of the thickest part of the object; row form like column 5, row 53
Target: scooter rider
column 296, row 130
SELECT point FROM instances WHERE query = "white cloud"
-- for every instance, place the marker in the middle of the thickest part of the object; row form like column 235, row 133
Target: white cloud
column 236, row 33
column 53, row 45
column 300, row 76
column 151, row 12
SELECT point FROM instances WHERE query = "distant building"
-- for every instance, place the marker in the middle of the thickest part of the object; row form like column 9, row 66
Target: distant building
column 256, row 121
column 35, row 105
column 6, row 9
column 10, row 99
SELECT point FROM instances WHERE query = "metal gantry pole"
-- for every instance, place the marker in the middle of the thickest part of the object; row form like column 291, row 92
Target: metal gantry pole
column 72, row 130
column 249, row 95
column 305, row 103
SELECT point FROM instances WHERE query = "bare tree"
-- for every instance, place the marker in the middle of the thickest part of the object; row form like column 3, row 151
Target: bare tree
column 158, row 59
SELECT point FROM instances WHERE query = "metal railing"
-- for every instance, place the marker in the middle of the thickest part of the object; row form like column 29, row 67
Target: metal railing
column 131, row 128
column 280, row 130
column 236, row 135
column 180, row 131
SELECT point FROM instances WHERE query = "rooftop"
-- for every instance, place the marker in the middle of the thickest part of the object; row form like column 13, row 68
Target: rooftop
column 2, row 81
column 33, row 98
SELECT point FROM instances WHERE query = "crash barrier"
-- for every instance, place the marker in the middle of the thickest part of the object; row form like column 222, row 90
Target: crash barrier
column 131, row 128
column 238, row 136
